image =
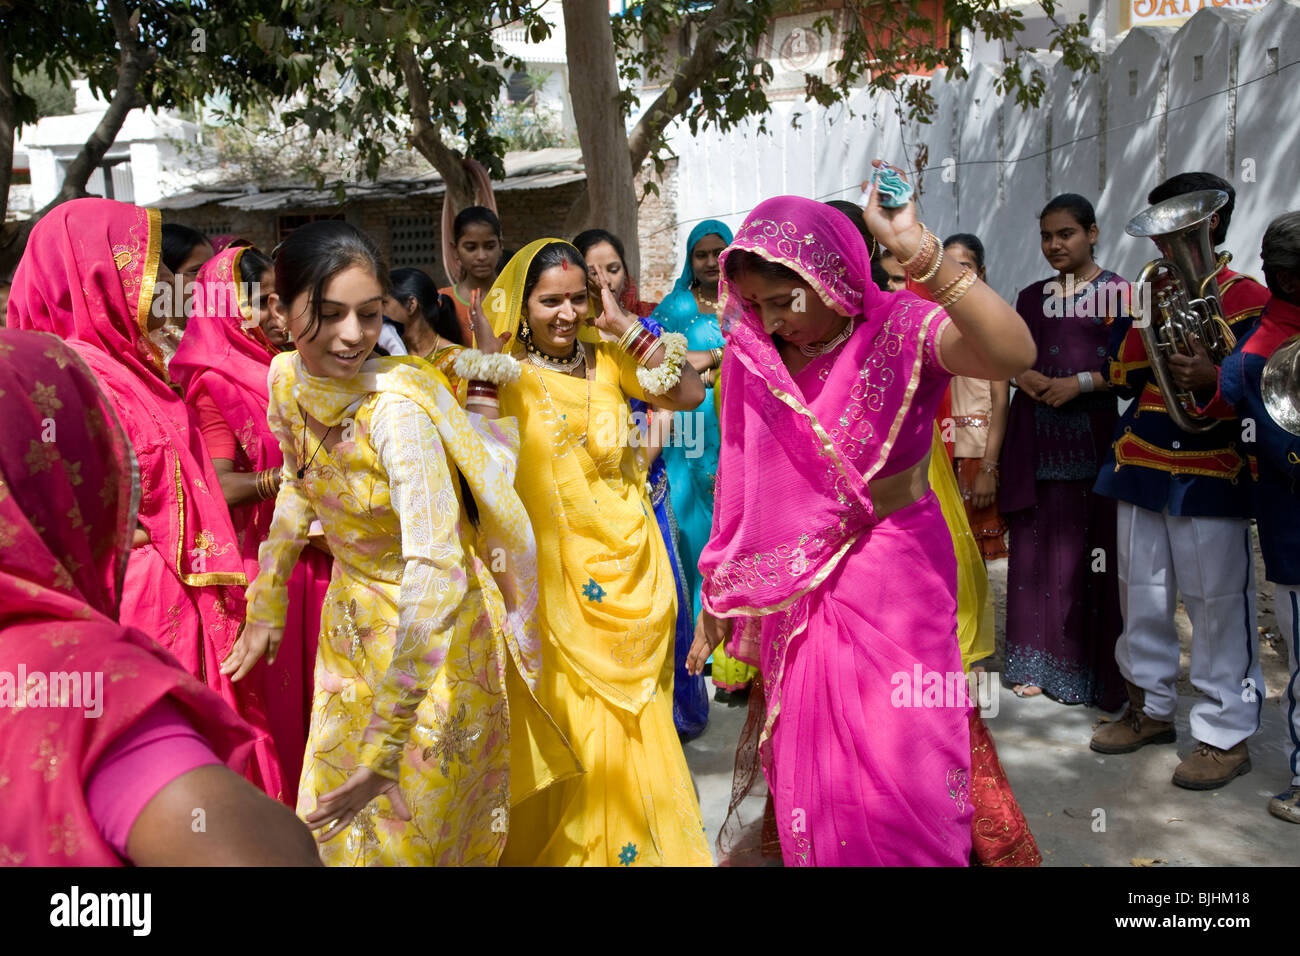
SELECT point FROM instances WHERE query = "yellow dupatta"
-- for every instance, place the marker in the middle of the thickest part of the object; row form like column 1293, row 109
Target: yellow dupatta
column 974, row 610
column 482, row 450
column 607, row 594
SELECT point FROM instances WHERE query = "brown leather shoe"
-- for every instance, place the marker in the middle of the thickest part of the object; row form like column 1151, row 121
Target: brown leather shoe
column 1135, row 729
column 1207, row 767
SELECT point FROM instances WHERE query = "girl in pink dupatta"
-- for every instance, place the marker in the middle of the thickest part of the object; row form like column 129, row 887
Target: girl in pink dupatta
column 222, row 366
column 75, row 685
column 828, row 546
column 88, row 275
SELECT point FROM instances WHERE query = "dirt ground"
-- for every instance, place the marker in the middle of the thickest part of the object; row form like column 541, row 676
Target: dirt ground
column 1062, row 786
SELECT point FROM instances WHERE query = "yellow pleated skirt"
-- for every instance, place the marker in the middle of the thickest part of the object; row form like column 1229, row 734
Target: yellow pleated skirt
column 634, row 804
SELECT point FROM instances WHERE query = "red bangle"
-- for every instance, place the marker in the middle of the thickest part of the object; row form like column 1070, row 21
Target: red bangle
column 643, row 345
column 484, row 390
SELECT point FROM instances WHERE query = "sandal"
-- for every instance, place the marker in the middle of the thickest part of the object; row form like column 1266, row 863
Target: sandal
column 1023, row 690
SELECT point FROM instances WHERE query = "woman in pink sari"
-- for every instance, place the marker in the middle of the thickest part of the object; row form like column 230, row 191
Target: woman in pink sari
column 106, row 744
column 222, row 367
column 828, row 547
column 88, row 275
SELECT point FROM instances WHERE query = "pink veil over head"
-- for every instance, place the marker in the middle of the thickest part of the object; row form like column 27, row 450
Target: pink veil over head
column 87, row 276
column 792, row 475
column 225, row 355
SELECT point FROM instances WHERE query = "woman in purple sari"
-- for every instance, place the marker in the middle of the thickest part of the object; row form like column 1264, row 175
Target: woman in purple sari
column 829, row 552
column 1063, row 615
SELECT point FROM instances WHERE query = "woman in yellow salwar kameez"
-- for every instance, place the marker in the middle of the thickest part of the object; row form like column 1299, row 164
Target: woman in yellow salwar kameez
column 607, row 597
column 426, row 655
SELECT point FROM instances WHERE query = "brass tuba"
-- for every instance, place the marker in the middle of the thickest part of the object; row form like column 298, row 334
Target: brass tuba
column 1280, row 385
column 1178, row 294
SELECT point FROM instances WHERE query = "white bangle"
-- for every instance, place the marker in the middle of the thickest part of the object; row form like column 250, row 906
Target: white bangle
column 1086, row 384
column 497, row 367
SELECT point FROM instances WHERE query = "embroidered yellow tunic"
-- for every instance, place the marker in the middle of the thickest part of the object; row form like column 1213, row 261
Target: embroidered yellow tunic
column 411, row 607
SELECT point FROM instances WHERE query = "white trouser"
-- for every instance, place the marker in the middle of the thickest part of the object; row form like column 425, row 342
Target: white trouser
column 1287, row 603
column 1209, row 561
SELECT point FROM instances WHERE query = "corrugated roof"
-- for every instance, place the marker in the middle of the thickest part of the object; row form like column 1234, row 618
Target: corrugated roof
column 543, row 169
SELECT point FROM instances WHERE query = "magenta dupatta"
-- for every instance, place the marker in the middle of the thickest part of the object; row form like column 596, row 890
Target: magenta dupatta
column 792, row 482
column 67, row 512
column 88, row 275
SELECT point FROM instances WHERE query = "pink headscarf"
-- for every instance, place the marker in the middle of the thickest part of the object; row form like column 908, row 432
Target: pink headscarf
column 67, row 512
column 792, row 474
column 226, row 241
column 225, row 354
column 87, row 275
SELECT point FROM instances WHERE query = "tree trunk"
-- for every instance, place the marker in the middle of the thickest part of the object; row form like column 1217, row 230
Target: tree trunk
column 593, row 86
column 8, row 124
column 427, row 139
column 134, row 60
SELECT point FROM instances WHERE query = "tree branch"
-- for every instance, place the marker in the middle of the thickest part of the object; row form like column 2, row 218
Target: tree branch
column 686, row 79
column 427, row 139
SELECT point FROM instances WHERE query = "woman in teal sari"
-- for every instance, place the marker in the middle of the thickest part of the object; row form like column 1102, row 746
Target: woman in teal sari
column 692, row 453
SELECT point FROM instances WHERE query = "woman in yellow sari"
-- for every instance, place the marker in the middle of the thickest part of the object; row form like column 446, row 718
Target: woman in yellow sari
column 427, row 648
column 607, row 596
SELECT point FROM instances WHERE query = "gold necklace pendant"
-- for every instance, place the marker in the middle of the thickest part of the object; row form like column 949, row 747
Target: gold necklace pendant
column 555, row 413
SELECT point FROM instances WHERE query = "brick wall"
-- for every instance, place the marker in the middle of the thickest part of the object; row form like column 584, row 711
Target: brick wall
column 257, row 228
column 657, row 232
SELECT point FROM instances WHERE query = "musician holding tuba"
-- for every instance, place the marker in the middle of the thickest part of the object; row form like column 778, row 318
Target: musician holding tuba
column 1182, row 483
column 1260, row 381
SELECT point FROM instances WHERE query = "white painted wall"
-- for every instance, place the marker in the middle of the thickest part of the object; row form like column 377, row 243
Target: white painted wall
column 1091, row 135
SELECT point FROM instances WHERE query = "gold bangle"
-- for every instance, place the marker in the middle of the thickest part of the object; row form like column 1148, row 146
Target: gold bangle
column 963, row 286
column 939, row 295
column 632, row 330
column 933, row 271
column 926, row 236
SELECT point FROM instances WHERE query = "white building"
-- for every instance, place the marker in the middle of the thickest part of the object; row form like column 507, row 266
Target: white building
column 146, row 162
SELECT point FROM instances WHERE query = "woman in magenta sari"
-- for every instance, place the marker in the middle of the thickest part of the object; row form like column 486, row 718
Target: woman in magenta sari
column 88, row 275
column 222, row 366
column 828, row 548
column 106, row 744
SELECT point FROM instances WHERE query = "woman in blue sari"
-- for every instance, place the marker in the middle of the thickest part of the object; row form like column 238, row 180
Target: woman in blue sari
column 692, row 454
column 603, row 252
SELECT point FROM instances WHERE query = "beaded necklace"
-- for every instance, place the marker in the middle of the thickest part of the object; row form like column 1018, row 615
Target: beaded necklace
column 555, row 412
